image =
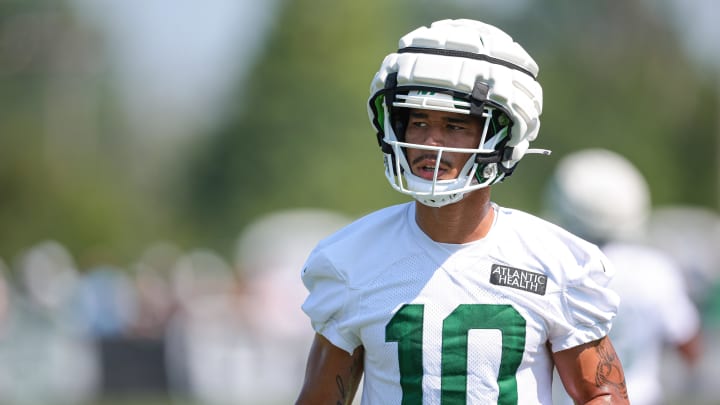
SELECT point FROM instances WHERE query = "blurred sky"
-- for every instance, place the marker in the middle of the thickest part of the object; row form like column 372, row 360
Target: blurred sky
column 175, row 60
column 696, row 22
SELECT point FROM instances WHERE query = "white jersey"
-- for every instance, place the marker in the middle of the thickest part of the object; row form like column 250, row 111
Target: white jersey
column 471, row 323
column 656, row 310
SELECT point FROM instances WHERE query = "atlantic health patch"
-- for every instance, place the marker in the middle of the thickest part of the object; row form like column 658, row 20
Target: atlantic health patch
column 525, row 280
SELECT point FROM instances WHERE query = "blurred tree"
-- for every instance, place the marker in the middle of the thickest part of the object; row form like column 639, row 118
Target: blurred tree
column 301, row 137
column 62, row 161
column 614, row 75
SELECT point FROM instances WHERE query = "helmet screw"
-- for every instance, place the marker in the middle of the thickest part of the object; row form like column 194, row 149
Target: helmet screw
column 490, row 171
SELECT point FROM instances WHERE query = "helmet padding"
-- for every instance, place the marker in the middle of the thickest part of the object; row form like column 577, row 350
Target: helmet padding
column 466, row 67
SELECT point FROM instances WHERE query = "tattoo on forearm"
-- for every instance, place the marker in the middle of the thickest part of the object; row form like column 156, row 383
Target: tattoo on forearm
column 609, row 371
column 346, row 388
column 341, row 389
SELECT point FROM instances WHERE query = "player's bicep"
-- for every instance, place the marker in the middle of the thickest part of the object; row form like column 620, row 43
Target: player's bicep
column 332, row 375
column 592, row 373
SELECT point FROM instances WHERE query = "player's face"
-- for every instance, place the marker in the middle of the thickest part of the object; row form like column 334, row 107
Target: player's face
column 439, row 128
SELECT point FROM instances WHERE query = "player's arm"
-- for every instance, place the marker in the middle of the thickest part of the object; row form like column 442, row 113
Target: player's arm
column 691, row 350
column 592, row 373
column 332, row 375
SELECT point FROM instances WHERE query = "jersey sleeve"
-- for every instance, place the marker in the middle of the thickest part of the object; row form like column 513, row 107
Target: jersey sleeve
column 328, row 304
column 588, row 305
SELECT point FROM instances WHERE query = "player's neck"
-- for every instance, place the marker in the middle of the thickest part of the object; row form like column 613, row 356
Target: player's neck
column 468, row 220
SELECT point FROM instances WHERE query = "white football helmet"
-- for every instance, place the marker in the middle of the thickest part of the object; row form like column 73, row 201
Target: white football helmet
column 461, row 66
column 598, row 195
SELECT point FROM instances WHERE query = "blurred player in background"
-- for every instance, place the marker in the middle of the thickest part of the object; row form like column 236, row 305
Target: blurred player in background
column 46, row 353
column 270, row 251
column 691, row 236
column 241, row 338
column 602, row 197
column 453, row 299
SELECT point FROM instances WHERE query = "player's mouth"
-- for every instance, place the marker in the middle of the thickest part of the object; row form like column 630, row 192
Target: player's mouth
column 424, row 167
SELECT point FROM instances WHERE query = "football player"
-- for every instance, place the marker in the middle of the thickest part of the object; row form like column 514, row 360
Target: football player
column 601, row 196
column 452, row 298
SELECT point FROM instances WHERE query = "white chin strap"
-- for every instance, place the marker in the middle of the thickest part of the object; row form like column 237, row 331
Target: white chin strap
column 422, row 190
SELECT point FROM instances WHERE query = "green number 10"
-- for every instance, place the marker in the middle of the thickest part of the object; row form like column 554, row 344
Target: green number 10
column 406, row 328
